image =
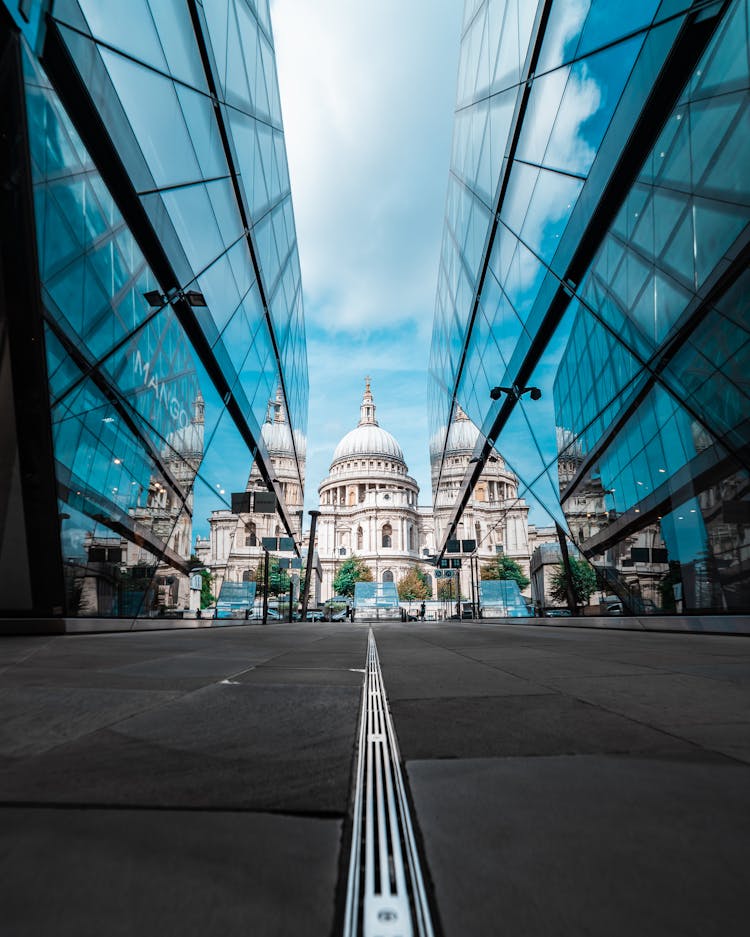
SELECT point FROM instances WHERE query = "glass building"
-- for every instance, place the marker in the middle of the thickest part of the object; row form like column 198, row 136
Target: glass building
column 596, row 248
column 150, row 295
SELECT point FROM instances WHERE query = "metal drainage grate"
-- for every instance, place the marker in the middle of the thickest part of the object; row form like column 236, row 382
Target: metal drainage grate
column 385, row 890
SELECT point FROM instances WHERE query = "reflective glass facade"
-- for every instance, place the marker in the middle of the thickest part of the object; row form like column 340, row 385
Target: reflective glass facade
column 167, row 286
column 596, row 248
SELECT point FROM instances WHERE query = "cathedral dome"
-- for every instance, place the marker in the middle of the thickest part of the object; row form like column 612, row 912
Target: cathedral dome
column 368, row 438
column 277, row 438
column 275, row 431
column 187, row 440
column 462, row 436
column 368, row 441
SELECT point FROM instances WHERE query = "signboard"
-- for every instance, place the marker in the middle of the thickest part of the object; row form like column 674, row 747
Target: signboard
column 242, row 502
column 196, row 581
column 284, row 563
column 468, row 546
column 286, row 543
column 265, row 502
column 444, row 563
column 269, row 543
column 296, row 563
column 456, row 564
column 439, row 574
column 453, row 546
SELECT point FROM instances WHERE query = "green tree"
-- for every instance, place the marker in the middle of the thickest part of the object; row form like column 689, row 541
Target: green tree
column 414, row 585
column 503, row 567
column 584, row 582
column 278, row 579
column 207, row 597
column 351, row 571
column 445, row 590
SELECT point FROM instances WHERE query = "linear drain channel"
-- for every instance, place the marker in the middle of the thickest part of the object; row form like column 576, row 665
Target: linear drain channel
column 385, row 890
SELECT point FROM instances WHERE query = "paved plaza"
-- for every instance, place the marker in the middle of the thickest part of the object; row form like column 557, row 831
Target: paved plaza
column 562, row 780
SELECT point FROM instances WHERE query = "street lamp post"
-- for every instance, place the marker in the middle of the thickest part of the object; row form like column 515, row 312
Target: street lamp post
column 314, row 515
column 473, row 592
column 266, row 579
column 570, row 591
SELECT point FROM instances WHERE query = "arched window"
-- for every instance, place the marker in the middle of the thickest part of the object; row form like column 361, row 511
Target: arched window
column 360, row 538
column 387, row 540
column 387, row 576
column 248, row 575
column 251, row 535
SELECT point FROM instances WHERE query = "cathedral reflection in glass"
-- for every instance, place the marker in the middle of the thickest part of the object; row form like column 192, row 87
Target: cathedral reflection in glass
column 167, row 286
column 596, row 246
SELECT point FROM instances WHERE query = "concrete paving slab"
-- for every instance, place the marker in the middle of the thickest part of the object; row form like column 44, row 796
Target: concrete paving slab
column 457, row 677
column 510, row 726
column 39, row 718
column 731, row 739
column 730, row 671
column 663, row 699
column 13, row 650
column 156, row 874
column 540, row 666
column 591, row 845
column 332, row 660
column 191, row 665
column 283, row 748
column 310, row 676
column 28, row 676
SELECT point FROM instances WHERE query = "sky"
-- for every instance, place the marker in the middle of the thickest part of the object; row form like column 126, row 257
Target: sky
column 367, row 95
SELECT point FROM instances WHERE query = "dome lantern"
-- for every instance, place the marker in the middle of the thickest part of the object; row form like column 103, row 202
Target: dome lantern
column 368, row 438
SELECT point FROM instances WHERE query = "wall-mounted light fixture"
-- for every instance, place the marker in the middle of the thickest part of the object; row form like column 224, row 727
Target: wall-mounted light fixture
column 155, row 298
column 515, row 392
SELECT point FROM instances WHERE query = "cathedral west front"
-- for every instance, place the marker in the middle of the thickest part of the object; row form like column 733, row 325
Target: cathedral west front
column 369, row 507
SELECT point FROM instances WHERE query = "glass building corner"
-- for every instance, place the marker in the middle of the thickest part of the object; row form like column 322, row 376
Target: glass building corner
column 152, row 291
column 596, row 247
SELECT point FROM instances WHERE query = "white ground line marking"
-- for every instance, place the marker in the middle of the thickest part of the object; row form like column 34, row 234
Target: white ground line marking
column 386, row 896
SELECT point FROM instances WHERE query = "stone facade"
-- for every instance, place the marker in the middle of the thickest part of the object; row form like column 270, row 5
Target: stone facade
column 370, row 507
column 233, row 549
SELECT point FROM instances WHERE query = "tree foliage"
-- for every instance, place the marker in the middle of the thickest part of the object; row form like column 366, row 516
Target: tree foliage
column 447, row 588
column 415, row 584
column 207, row 597
column 350, row 572
column 278, row 579
column 503, row 567
column 584, row 582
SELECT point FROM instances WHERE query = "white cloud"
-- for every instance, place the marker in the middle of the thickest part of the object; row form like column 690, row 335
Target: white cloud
column 367, row 94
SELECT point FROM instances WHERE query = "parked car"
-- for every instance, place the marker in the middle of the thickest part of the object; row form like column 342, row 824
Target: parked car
column 315, row 614
column 614, row 608
column 273, row 614
column 557, row 613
